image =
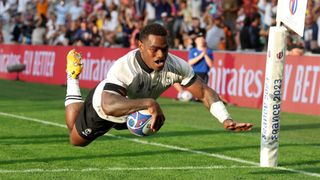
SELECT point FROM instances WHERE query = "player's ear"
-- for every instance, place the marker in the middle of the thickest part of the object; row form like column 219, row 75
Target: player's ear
column 140, row 45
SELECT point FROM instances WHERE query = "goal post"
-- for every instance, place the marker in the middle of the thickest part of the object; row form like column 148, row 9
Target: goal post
column 292, row 14
column 271, row 107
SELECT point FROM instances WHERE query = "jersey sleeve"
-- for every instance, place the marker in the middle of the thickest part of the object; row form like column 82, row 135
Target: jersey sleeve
column 118, row 78
column 185, row 71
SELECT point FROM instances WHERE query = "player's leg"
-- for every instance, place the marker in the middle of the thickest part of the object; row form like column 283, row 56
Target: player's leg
column 73, row 101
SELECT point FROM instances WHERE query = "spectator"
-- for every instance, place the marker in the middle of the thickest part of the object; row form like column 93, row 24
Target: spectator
column 76, row 10
column 5, row 19
column 250, row 7
column 116, row 2
column 110, row 30
column 239, row 26
column 60, row 38
column 150, row 12
column 87, row 7
column 17, row 29
column 193, row 31
column 100, row 5
column 317, row 12
column 1, row 35
column 245, row 35
column 216, row 36
column 167, row 22
column 96, row 39
column 61, row 11
column 201, row 58
column 42, row 7
column 140, row 6
column 71, row 32
column 137, row 26
column 311, row 35
column 230, row 9
column 161, row 7
column 84, row 34
column 265, row 8
column 27, row 29
column 256, row 32
column 22, row 5
column 52, row 28
column 295, row 45
column 195, row 7
column 182, row 21
column 39, row 33
column 229, row 43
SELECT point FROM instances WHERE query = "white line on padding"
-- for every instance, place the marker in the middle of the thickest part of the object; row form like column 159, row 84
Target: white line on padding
column 169, row 146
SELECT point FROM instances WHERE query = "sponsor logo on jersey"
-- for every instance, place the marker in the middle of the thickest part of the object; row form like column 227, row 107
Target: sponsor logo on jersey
column 87, row 131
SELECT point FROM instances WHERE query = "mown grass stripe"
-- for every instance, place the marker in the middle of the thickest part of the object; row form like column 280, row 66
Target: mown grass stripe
column 168, row 146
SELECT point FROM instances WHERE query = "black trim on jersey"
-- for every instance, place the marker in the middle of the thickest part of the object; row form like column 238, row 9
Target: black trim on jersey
column 141, row 63
column 73, row 96
column 116, row 88
column 193, row 79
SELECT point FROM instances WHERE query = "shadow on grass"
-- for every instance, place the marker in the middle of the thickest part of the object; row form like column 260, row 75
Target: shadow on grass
column 87, row 157
column 278, row 171
column 255, row 130
column 271, row 171
column 35, row 139
column 299, row 127
column 308, row 162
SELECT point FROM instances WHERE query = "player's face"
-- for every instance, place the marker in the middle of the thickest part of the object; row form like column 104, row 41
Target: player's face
column 154, row 51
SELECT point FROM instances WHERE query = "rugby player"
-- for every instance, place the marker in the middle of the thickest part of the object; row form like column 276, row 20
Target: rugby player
column 133, row 83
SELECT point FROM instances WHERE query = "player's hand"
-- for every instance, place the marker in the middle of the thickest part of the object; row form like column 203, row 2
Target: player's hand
column 157, row 116
column 235, row 126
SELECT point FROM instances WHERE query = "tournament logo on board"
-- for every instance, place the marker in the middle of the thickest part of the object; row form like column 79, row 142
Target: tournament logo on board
column 293, row 6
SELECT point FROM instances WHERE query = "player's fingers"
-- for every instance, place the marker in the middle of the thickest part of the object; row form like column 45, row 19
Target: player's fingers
column 231, row 127
column 246, row 127
column 160, row 122
column 240, row 125
column 153, row 123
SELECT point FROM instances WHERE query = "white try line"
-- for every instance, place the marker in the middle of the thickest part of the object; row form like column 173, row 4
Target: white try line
column 125, row 169
column 168, row 146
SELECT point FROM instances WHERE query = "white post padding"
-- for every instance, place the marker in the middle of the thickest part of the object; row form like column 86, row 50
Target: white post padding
column 270, row 121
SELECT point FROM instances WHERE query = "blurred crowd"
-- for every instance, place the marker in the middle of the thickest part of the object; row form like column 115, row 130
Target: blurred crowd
column 234, row 25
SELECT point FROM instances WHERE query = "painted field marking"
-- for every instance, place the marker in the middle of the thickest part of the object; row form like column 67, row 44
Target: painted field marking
column 168, row 146
column 125, row 169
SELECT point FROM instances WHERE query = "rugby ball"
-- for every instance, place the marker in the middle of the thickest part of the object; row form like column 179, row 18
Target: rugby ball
column 139, row 123
column 185, row 96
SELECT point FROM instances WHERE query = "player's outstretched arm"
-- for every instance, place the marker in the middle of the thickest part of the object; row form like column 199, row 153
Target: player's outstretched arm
column 216, row 107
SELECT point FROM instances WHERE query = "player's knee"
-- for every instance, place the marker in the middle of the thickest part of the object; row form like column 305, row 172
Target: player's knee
column 76, row 142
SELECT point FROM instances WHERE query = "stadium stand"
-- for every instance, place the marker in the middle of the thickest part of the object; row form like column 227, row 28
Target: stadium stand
column 115, row 23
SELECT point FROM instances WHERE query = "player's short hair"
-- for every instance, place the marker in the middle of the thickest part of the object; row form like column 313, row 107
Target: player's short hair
column 154, row 29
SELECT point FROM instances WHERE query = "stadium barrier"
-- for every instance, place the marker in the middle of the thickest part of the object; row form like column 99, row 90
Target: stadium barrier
column 238, row 77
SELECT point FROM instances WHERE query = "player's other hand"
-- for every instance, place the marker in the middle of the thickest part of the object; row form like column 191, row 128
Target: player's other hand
column 157, row 116
column 236, row 126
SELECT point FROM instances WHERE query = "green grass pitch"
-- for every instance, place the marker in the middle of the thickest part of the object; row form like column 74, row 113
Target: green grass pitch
column 191, row 145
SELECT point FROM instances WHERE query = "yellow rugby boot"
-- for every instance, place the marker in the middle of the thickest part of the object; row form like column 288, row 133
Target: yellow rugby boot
column 74, row 64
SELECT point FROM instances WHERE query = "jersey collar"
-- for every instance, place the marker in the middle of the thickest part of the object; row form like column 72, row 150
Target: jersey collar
column 142, row 64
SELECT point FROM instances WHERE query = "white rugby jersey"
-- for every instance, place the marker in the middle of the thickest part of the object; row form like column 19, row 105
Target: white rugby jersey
column 129, row 76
